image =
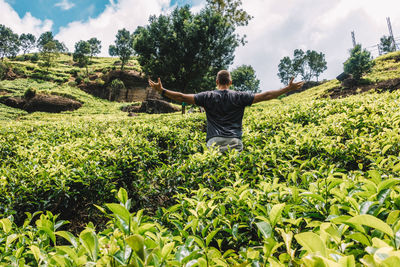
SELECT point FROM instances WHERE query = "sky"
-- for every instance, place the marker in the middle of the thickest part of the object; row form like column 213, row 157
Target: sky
column 277, row 27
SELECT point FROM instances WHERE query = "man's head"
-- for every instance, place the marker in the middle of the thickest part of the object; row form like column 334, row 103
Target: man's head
column 224, row 78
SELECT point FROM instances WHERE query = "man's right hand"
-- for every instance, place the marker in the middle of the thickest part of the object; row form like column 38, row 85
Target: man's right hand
column 156, row 86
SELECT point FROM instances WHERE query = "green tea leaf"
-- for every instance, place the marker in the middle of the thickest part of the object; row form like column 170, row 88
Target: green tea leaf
column 265, row 229
column 7, row 225
column 373, row 222
column 89, row 241
column 136, row 242
column 276, row 213
column 311, row 242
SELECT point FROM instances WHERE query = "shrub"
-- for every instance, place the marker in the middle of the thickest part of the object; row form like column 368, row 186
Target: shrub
column 117, row 84
column 30, row 93
column 99, row 82
column 3, row 70
column 79, row 79
column 35, row 57
column 359, row 63
column 74, row 72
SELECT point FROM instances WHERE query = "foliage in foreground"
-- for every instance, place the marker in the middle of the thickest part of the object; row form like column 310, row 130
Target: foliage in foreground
column 204, row 224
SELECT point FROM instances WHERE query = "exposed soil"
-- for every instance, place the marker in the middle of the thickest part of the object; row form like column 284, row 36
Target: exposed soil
column 151, row 106
column 350, row 88
column 41, row 102
column 3, row 92
column 136, row 86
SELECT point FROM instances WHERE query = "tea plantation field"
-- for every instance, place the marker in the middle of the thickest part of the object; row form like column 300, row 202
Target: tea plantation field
column 317, row 184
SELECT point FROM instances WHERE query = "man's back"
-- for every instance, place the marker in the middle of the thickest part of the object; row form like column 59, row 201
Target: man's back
column 224, row 110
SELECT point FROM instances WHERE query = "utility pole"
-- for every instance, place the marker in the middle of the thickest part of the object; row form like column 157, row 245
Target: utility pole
column 353, row 37
column 391, row 33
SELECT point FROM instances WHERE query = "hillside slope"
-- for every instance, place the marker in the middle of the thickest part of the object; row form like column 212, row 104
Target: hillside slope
column 317, row 183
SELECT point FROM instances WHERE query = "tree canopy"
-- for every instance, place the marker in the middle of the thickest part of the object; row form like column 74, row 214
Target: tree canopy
column 95, row 46
column 28, row 42
column 123, row 46
column 387, row 45
column 244, row 79
column 306, row 64
column 186, row 50
column 9, row 42
column 359, row 63
column 47, row 37
column 82, row 54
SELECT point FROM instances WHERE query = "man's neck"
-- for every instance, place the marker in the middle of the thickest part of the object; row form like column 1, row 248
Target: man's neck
column 223, row 87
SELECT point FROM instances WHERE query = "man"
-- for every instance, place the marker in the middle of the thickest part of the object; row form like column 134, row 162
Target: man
column 224, row 108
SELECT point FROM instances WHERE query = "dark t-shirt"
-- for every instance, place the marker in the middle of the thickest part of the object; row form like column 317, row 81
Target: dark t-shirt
column 224, row 110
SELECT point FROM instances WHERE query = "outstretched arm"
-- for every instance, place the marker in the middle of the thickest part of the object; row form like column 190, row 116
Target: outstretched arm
column 187, row 98
column 268, row 95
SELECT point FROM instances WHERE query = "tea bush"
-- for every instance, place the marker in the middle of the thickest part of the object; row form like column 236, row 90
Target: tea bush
column 316, row 185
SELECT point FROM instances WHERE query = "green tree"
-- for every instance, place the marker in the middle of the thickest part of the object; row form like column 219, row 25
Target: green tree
column 48, row 53
column 386, row 45
column 315, row 65
column 95, row 47
column 244, row 79
column 306, row 64
column 359, row 63
column 231, row 9
column 47, row 37
column 186, row 50
column 9, row 42
column 28, row 42
column 123, row 47
column 82, row 54
column 285, row 70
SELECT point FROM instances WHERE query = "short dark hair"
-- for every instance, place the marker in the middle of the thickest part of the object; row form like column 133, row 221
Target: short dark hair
column 224, row 77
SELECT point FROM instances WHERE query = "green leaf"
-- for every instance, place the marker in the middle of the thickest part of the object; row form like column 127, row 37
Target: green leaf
column 36, row 253
column 388, row 183
column 119, row 211
column 396, row 167
column 393, row 216
column 210, row 236
column 122, row 195
column 11, row 239
column 90, row 243
column 276, row 213
column 311, row 242
column 136, row 242
column 347, row 261
column 373, row 222
column 265, row 229
column 359, row 237
column 68, row 236
column 386, row 149
column 166, row 250
column 314, row 196
column 7, row 225
column 375, row 176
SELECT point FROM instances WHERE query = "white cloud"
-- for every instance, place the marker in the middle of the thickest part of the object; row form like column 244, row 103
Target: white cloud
column 65, row 5
column 325, row 26
column 27, row 24
column 117, row 15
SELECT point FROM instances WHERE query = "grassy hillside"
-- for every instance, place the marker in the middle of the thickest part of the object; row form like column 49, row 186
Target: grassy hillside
column 317, row 183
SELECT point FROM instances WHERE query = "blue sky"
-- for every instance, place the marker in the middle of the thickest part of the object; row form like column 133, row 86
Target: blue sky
column 62, row 12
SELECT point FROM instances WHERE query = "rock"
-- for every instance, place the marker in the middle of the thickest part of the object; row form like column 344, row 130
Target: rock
column 155, row 106
column 152, row 106
column 44, row 103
